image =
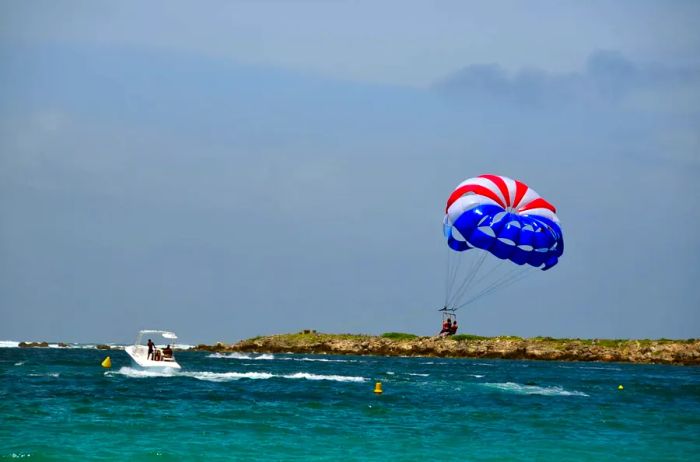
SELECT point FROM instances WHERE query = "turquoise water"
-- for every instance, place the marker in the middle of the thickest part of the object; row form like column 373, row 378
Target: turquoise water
column 59, row 404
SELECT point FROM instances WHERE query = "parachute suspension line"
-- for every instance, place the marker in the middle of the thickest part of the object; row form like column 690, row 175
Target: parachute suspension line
column 448, row 275
column 509, row 278
column 471, row 274
column 501, row 281
column 452, row 272
column 513, row 280
column 474, row 268
column 487, row 275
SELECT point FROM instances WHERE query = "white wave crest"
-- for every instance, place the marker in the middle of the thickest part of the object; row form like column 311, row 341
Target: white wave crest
column 20, row 363
column 135, row 373
column 235, row 355
column 226, row 376
column 335, row 378
column 47, row 374
column 321, row 360
column 8, row 344
column 229, row 356
column 418, row 375
column 533, row 389
column 478, row 376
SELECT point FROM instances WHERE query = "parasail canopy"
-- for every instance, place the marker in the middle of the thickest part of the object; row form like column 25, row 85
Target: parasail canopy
column 505, row 217
column 496, row 216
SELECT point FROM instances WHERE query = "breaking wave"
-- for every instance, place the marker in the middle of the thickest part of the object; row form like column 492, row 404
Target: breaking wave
column 8, row 344
column 533, row 389
column 226, row 376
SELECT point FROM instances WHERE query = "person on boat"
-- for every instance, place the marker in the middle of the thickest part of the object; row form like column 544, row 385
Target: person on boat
column 150, row 349
column 453, row 330
column 167, row 352
column 446, row 328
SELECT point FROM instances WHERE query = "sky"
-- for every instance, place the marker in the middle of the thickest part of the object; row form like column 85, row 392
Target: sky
column 232, row 169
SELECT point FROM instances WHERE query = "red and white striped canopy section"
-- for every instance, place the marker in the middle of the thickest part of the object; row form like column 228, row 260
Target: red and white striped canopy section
column 512, row 196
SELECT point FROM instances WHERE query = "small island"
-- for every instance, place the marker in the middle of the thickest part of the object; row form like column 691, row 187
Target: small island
column 661, row 351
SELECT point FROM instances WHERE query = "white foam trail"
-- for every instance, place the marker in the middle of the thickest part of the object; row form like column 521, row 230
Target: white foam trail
column 478, row 376
column 48, row 374
column 8, row 344
column 533, row 389
column 601, row 368
column 484, row 364
column 142, row 373
column 226, row 376
column 322, row 360
column 240, row 356
column 389, row 373
column 229, row 356
column 335, row 378
column 419, row 375
column 20, row 363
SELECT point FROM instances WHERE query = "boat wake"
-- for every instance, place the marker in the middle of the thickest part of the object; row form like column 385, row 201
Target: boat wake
column 227, row 376
column 533, row 389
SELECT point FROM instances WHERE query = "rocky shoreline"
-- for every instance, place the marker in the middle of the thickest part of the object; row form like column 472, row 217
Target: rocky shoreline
column 663, row 351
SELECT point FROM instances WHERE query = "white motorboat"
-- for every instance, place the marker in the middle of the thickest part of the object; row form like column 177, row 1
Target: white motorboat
column 162, row 354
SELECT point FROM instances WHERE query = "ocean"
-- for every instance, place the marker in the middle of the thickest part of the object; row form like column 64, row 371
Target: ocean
column 60, row 404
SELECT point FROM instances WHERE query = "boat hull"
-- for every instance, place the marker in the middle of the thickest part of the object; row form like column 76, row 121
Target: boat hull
column 139, row 355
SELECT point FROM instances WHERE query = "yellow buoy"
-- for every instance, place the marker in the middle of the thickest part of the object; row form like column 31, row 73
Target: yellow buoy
column 378, row 388
column 620, row 387
column 107, row 363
